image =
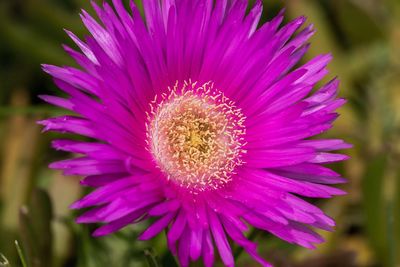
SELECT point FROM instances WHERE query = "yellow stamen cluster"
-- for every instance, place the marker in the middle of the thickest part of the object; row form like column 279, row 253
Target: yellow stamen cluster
column 195, row 135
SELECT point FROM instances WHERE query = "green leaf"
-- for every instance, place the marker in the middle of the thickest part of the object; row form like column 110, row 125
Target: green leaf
column 374, row 204
column 392, row 218
column 92, row 252
column 35, row 229
column 151, row 258
column 20, row 254
column 4, row 261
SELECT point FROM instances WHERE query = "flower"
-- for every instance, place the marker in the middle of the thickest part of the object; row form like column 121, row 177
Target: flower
column 200, row 120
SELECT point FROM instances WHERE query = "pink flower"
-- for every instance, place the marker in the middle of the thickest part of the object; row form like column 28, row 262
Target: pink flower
column 198, row 116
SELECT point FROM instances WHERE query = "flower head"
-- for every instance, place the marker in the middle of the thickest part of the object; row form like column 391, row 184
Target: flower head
column 198, row 118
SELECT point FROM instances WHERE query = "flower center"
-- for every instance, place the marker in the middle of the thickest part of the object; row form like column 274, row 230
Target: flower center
column 195, row 135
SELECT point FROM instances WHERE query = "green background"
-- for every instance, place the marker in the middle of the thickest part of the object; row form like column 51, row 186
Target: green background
column 364, row 37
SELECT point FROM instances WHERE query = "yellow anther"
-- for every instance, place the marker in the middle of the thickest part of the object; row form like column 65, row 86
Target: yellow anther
column 196, row 136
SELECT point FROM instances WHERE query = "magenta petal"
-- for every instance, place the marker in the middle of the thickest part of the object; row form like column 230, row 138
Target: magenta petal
column 220, row 240
column 177, row 227
column 157, row 227
column 69, row 124
column 249, row 246
column 326, row 145
column 208, row 250
column 118, row 224
column 58, row 101
column 328, row 157
column 184, row 249
column 101, row 180
column 100, row 195
column 269, row 158
column 165, row 207
column 196, row 243
column 85, row 49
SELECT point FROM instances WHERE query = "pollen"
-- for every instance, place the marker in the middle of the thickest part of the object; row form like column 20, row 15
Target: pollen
column 196, row 136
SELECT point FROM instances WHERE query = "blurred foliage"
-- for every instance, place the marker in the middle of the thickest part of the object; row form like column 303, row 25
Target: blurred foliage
column 364, row 38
